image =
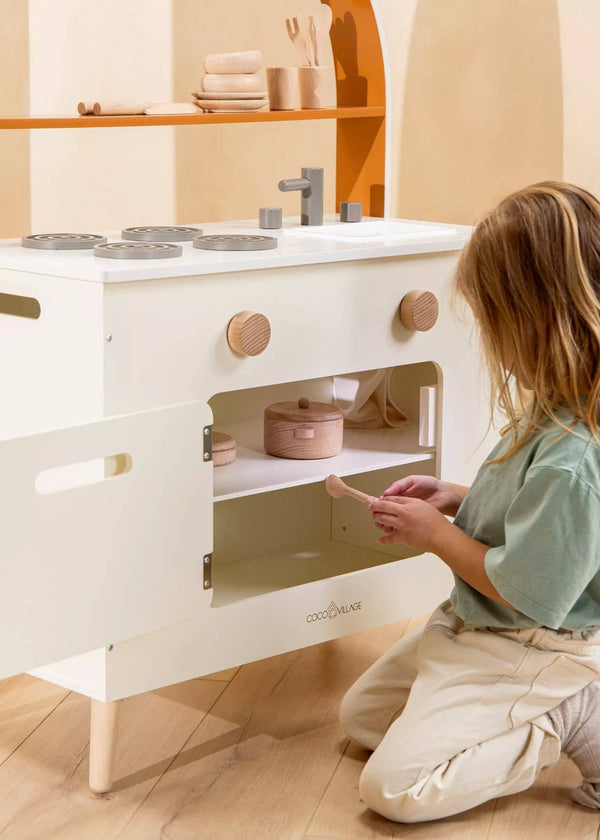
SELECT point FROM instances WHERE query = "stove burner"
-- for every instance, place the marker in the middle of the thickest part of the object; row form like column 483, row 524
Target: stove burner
column 63, row 241
column 161, row 233
column 138, row 250
column 235, row 242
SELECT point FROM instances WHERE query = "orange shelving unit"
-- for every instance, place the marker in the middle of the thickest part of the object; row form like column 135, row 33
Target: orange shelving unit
column 360, row 111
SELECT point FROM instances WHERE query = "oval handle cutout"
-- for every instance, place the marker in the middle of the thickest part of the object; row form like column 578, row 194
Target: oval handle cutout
column 22, row 307
column 80, row 474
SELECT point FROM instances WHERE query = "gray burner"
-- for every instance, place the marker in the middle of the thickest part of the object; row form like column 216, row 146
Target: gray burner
column 235, row 242
column 138, row 250
column 63, row 241
column 161, row 233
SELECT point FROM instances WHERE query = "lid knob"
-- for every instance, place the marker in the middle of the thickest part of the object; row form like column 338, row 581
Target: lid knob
column 303, row 402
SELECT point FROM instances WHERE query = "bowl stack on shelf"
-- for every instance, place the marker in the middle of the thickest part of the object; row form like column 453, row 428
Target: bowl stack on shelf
column 231, row 84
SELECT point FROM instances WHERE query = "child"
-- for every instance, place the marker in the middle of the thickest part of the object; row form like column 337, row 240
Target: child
column 501, row 678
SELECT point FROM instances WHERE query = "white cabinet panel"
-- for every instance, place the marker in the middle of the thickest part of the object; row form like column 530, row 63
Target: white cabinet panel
column 93, row 563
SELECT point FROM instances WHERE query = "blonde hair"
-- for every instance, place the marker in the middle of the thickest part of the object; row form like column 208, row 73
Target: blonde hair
column 531, row 274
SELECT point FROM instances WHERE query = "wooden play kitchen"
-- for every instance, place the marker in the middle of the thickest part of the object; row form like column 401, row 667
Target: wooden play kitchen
column 128, row 561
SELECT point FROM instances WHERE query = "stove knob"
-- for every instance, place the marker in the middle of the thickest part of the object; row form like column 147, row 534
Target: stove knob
column 248, row 333
column 419, row 310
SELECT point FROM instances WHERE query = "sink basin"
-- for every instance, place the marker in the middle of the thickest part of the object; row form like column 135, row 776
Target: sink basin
column 376, row 229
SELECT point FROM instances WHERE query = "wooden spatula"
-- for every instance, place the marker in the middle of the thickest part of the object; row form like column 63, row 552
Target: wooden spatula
column 322, row 17
column 336, row 488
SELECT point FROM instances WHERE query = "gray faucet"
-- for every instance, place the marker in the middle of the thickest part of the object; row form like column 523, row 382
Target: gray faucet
column 311, row 184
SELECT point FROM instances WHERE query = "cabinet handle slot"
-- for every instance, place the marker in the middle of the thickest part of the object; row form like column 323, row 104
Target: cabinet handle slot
column 22, row 307
column 67, row 477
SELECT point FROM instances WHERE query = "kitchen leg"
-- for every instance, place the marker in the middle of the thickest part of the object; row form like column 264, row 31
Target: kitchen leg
column 103, row 737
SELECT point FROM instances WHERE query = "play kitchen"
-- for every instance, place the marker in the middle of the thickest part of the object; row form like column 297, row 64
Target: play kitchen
column 299, row 358
column 176, row 397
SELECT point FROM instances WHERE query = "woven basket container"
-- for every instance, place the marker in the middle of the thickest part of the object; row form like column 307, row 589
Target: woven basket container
column 303, row 430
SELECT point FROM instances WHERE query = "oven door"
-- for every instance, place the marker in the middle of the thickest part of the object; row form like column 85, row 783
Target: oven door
column 103, row 531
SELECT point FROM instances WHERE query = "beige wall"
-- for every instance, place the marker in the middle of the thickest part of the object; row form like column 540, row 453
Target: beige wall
column 103, row 178
column 487, row 95
column 580, row 40
column 478, row 103
column 14, row 99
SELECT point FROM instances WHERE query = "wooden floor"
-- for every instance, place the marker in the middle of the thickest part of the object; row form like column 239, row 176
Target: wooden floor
column 255, row 753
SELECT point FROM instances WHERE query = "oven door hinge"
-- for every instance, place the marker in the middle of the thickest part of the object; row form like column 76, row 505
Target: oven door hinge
column 207, row 438
column 207, row 571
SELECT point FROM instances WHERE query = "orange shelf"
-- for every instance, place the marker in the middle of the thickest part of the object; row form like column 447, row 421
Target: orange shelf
column 191, row 119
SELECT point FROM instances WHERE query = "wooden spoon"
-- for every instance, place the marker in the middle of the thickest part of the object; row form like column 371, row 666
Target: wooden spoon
column 336, row 488
column 322, row 17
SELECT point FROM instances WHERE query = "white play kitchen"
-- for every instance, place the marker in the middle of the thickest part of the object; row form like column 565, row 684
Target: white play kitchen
column 173, row 401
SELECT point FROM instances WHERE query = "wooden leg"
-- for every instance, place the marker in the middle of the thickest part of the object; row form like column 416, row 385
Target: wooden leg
column 103, row 737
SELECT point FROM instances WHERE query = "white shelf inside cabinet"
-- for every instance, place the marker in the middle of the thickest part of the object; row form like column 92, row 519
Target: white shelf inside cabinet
column 364, row 450
column 258, row 576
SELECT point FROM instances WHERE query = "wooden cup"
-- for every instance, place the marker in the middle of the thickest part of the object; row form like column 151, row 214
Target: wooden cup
column 282, row 84
column 317, row 87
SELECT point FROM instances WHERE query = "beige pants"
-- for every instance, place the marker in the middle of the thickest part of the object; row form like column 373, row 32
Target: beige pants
column 455, row 713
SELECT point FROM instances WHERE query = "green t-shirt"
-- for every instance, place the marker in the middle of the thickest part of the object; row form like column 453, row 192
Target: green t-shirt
column 540, row 513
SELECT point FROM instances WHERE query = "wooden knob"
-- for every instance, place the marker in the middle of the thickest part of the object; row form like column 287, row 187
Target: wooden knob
column 249, row 333
column 303, row 402
column 419, row 310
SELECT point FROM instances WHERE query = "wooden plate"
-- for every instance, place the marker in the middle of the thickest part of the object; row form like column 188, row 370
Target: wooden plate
column 202, row 94
column 232, row 105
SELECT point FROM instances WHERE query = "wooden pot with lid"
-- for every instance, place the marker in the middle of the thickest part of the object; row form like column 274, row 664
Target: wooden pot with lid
column 303, row 429
column 223, row 449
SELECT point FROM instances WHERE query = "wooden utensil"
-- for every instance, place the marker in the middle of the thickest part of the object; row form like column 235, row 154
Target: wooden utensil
column 322, row 18
column 297, row 37
column 112, row 108
column 312, row 42
column 336, row 488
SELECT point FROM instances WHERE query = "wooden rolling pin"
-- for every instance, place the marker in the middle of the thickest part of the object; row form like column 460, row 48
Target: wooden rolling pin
column 336, row 488
column 111, row 108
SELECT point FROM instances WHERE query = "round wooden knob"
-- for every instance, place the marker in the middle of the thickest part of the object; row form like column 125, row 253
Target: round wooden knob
column 419, row 310
column 249, row 333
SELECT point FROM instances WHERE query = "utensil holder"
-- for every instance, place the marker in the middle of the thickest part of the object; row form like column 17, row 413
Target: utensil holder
column 282, row 85
column 317, row 87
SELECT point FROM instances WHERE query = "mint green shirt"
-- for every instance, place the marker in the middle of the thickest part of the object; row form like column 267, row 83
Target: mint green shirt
column 540, row 513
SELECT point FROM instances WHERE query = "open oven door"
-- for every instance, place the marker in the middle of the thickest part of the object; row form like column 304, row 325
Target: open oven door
column 103, row 531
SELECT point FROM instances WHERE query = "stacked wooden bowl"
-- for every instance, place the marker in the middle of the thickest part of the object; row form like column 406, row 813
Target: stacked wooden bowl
column 231, row 84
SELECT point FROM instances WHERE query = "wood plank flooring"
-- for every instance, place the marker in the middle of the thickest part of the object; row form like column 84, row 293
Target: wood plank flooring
column 252, row 753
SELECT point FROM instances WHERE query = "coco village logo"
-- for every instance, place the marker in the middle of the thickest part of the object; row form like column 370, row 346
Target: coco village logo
column 333, row 611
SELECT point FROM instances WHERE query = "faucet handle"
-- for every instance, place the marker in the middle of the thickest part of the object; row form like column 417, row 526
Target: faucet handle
column 291, row 184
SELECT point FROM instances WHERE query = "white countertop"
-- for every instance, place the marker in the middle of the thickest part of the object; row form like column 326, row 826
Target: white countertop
column 296, row 247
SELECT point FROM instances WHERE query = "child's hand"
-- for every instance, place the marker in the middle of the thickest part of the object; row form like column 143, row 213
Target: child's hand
column 440, row 494
column 413, row 522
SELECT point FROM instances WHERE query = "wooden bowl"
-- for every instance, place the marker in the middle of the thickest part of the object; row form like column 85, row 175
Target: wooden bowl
column 232, row 83
column 303, row 430
column 235, row 62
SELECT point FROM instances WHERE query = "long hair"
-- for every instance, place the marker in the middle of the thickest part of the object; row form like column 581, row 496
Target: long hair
column 531, row 274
